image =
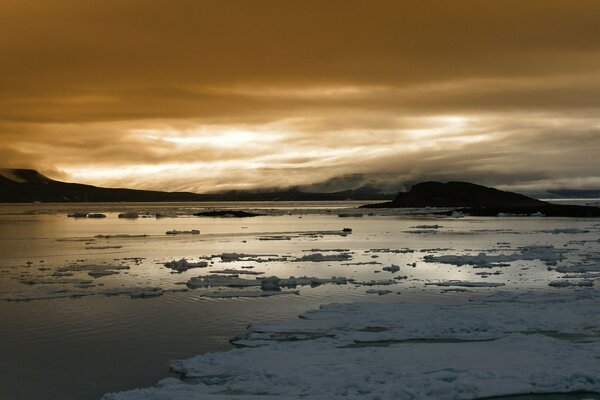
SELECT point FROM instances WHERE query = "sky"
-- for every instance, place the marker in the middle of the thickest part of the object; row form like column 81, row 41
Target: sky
column 215, row 95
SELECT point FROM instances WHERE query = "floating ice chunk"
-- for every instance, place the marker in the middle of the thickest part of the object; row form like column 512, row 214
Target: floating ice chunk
column 578, row 268
column 232, row 257
column 96, row 215
column 328, row 250
column 143, row 293
column 379, row 292
column 183, row 265
column 548, row 254
column 392, row 268
column 584, row 275
column 227, row 214
column 374, row 282
column 350, row 215
column 465, row 283
column 120, row 236
column 77, row 215
column 275, row 283
column 129, row 215
column 230, row 271
column 320, row 257
column 275, row 237
column 91, row 267
column 99, row 272
column 393, row 251
column 568, row 231
column 245, row 293
column 564, row 283
column 457, row 214
column 45, row 293
column 537, row 214
column 427, row 226
column 55, row 281
column 102, row 247
column 176, row 232
column 220, row 280
column 422, row 231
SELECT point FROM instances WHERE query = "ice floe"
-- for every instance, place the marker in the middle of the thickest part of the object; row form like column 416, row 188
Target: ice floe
column 176, row 232
column 465, row 283
column 578, row 268
column 230, row 271
column 392, row 268
column 247, row 293
column 547, row 254
column 320, row 257
column 220, row 280
column 500, row 346
column 183, row 265
column 564, row 283
column 129, row 215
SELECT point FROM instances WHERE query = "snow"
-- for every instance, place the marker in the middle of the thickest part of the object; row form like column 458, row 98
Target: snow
column 504, row 344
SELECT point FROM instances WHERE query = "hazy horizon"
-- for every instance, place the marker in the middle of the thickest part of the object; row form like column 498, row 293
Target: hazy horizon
column 206, row 96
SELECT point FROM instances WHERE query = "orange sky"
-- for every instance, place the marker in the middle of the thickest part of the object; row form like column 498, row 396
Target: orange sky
column 209, row 95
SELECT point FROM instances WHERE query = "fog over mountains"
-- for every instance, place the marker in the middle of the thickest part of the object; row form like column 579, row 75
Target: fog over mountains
column 28, row 185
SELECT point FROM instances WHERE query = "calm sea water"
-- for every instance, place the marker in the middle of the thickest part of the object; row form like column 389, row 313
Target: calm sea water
column 80, row 348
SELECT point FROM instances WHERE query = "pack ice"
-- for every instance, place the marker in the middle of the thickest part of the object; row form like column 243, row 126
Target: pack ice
column 504, row 344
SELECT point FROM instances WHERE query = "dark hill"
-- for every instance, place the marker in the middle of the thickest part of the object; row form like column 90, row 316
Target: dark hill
column 480, row 201
column 27, row 185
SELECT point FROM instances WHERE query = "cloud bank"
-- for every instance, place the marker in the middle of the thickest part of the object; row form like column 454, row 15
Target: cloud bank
column 213, row 95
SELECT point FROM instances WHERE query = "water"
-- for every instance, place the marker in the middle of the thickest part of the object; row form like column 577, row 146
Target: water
column 80, row 348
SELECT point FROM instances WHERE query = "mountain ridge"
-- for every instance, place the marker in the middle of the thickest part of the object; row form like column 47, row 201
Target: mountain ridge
column 28, row 185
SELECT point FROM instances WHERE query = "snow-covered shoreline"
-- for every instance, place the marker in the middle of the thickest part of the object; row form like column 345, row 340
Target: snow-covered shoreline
column 466, row 348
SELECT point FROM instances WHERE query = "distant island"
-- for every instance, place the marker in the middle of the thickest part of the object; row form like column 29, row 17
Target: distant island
column 28, row 185
column 480, row 200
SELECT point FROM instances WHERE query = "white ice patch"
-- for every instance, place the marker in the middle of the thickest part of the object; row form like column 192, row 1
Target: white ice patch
column 501, row 345
column 464, row 283
column 547, row 254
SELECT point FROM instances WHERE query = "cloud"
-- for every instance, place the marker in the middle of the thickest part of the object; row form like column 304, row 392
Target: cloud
column 210, row 95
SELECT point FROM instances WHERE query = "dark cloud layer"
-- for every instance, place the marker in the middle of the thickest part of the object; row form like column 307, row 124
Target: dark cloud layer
column 204, row 95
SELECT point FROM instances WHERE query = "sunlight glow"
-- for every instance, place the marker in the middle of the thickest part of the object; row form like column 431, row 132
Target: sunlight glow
column 211, row 136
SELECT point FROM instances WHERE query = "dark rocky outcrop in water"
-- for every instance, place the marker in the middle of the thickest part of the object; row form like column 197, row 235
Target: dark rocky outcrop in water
column 227, row 214
column 481, row 201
